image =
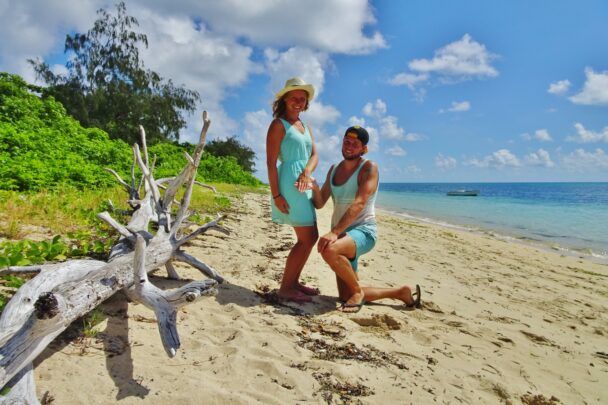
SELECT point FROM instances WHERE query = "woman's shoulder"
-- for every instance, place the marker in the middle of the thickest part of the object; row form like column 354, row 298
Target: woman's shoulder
column 277, row 123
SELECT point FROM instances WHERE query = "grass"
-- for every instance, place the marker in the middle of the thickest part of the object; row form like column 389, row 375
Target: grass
column 67, row 218
column 90, row 321
column 75, row 211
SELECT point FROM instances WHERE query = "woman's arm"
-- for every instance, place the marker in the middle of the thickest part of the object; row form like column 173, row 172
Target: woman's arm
column 275, row 135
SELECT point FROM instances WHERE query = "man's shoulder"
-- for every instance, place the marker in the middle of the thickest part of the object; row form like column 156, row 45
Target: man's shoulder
column 370, row 164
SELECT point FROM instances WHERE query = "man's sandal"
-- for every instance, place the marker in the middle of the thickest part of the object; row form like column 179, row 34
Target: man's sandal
column 417, row 302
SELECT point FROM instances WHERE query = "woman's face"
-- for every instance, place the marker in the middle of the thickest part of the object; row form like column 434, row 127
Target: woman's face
column 296, row 100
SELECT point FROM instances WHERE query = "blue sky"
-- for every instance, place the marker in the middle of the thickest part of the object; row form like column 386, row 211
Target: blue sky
column 450, row 90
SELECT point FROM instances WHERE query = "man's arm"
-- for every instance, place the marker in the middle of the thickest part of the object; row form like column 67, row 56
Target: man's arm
column 321, row 195
column 368, row 183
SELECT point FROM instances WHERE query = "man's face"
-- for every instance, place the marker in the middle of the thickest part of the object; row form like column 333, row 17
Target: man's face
column 352, row 148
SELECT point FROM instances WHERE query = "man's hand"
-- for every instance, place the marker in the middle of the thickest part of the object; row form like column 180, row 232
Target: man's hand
column 281, row 204
column 326, row 240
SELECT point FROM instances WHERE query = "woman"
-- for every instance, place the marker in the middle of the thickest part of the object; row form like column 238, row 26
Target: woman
column 290, row 141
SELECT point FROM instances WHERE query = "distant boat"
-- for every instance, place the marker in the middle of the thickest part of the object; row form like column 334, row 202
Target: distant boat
column 465, row 193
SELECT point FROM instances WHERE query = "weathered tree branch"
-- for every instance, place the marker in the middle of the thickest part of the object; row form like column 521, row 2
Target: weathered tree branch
column 44, row 306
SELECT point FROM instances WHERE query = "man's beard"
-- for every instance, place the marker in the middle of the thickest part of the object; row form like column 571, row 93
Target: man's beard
column 351, row 157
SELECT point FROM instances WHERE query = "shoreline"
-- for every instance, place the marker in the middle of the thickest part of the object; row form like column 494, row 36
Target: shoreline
column 544, row 245
column 501, row 322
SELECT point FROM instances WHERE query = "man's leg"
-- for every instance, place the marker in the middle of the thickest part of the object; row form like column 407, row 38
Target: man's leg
column 337, row 255
column 403, row 293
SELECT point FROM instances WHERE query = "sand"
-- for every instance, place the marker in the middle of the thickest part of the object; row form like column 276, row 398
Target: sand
column 501, row 323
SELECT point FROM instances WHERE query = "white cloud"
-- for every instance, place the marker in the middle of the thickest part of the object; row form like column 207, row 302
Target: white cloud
column 584, row 135
column 31, row 29
column 500, row 159
column 390, row 129
column 376, row 109
column 413, row 137
column 559, row 87
column 396, row 151
column 445, row 162
column 457, row 61
column 457, row 107
column 462, row 58
column 539, row 135
column 177, row 47
column 255, row 129
column 583, row 160
column 595, row 90
column 319, row 115
column 335, row 26
column 413, row 169
column 296, row 61
column 539, row 158
column 408, row 79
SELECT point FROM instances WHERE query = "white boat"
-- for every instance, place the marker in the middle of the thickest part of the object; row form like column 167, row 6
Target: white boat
column 465, row 193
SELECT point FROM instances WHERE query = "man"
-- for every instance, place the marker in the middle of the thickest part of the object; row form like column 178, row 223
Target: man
column 353, row 186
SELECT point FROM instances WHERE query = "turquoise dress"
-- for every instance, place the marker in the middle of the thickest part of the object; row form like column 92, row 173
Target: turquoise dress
column 296, row 148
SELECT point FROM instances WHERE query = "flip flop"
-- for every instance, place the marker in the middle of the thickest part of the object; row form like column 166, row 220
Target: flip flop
column 357, row 306
column 417, row 302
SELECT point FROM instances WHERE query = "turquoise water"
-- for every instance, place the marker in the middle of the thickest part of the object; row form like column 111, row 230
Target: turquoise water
column 568, row 216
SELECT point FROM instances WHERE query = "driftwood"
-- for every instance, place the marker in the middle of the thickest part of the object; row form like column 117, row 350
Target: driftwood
column 61, row 293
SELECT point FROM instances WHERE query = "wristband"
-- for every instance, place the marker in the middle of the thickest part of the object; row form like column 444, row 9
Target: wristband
column 274, row 197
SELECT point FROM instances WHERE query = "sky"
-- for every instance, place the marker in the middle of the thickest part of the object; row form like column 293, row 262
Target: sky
column 450, row 91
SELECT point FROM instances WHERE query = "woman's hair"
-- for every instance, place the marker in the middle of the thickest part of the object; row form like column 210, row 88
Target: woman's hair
column 279, row 107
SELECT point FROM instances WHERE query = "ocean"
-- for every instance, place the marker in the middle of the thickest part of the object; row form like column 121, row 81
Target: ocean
column 568, row 217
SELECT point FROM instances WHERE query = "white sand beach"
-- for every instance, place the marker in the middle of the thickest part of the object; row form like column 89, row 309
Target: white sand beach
column 501, row 323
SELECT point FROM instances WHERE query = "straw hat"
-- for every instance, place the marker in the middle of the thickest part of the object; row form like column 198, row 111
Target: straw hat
column 295, row 83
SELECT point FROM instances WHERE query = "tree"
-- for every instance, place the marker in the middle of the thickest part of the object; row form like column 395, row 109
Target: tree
column 107, row 85
column 243, row 154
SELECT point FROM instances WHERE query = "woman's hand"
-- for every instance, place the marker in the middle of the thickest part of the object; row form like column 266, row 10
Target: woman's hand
column 281, row 204
column 304, row 182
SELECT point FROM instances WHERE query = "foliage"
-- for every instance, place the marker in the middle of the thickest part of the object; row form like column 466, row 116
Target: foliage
column 40, row 146
column 243, row 154
column 107, row 85
column 170, row 161
column 43, row 148
column 90, row 321
column 27, row 252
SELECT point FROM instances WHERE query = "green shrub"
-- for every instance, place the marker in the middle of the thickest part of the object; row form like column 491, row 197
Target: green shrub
column 41, row 147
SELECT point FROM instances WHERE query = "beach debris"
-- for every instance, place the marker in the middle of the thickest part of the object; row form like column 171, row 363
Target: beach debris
column 331, row 386
column 333, row 330
column 349, row 351
column 62, row 292
column 538, row 399
column 541, row 340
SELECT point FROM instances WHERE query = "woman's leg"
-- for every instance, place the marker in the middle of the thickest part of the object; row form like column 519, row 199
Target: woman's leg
column 306, row 238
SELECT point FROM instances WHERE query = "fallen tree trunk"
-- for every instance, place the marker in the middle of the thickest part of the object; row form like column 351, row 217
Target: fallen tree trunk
column 61, row 293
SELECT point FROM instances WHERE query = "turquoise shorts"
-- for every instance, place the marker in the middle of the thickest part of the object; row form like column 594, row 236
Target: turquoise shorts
column 365, row 239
